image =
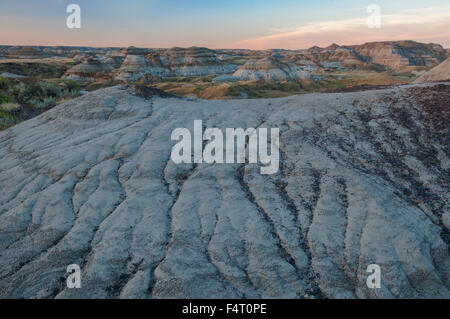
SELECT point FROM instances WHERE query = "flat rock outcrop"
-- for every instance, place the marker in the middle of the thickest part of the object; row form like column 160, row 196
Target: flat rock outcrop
column 363, row 179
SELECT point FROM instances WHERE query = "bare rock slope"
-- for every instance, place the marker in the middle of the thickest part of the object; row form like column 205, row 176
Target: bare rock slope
column 363, row 179
column 440, row 72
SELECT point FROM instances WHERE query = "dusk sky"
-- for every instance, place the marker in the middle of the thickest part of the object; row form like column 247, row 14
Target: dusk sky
column 254, row 24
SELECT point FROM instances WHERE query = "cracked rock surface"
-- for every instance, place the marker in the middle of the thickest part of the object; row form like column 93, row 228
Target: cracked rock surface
column 363, row 179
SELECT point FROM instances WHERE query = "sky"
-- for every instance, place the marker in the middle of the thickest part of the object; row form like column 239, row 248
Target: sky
column 252, row 24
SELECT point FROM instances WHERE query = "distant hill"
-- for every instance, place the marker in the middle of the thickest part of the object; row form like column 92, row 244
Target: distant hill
column 392, row 54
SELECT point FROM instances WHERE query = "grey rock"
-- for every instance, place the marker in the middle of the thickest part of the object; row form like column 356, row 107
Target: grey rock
column 362, row 180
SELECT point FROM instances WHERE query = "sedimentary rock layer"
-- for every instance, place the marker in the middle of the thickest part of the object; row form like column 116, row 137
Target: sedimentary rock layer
column 265, row 69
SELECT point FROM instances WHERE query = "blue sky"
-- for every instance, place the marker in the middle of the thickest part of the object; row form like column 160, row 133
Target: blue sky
column 218, row 23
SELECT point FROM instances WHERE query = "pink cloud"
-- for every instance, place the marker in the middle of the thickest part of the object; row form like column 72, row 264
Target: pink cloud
column 425, row 25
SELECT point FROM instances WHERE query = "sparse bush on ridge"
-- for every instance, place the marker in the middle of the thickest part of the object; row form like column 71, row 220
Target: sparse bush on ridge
column 72, row 85
column 4, row 83
column 7, row 119
column 10, row 107
column 44, row 94
column 17, row 95
column 43, row 103
column 49, row 89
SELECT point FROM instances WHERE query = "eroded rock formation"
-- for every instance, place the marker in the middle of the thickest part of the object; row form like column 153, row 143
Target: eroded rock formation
column 266, row 69
column 195, row 61
column 440, row 72
column 363, row 179
column 90, row 69
column 396, row 54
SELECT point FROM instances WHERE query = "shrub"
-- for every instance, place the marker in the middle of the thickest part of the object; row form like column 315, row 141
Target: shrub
column 10, row 107
column 72, row 85
column 26, row 92
column 4, row 83
column 72, row 94
column 197, row 90
column 42, row 95
column 43, row 103
column 5, row 98
column 6, row 119
column 50, row 90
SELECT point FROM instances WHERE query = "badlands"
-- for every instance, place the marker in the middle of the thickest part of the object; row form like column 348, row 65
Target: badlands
column 198, row 72
column 35, row 79
column 275, row 65
column 87, row 177
column 266, row 69
column 363, row 180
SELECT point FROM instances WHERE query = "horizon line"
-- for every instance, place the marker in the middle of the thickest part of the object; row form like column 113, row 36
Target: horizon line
column 211, row 48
